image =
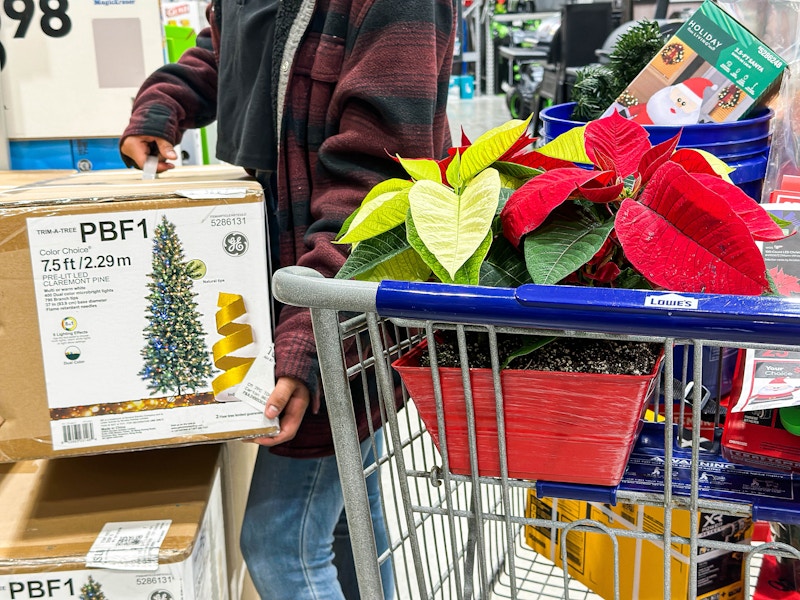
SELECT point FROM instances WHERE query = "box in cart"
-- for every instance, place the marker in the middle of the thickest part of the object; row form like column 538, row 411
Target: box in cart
column 590, row 556
column 712, row 70
column 132, row 526
column 134, row 309
column 759, row 439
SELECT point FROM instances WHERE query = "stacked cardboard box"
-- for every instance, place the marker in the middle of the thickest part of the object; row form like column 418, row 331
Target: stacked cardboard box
column 85, row 306
column 114, row 526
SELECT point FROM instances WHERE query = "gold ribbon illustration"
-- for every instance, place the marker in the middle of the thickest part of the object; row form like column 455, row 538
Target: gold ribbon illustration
column 237, row 335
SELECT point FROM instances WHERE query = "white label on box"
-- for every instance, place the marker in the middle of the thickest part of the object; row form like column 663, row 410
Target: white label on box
column 128, row 546
column 235, row 192
column 149, row 320
column 259, row 381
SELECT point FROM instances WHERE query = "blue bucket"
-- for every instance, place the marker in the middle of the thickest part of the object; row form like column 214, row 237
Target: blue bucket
column 557, row 119
column 743, row 145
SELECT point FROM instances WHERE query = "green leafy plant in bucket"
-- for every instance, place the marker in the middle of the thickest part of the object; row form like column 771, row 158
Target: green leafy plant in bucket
column 598, row 206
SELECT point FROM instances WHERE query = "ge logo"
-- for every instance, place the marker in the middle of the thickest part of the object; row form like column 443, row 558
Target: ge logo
column 235, row 244
column 160, row 595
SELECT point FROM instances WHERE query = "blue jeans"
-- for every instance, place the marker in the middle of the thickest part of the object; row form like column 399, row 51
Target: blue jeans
column 294, row 535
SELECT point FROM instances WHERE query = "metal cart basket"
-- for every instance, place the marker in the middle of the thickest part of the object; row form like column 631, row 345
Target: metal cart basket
column 456, row 534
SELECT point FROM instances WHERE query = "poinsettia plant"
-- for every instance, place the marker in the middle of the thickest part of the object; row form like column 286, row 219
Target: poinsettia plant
column 599, row 205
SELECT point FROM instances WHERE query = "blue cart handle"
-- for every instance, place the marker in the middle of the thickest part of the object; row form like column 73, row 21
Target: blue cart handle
column 746, row 319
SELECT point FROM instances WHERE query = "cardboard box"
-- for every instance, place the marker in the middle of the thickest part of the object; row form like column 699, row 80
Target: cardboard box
column 711, row 70
column 108, row 355
column 21, row 178
column 55, row 510
column 590, row 556
column 72, row 69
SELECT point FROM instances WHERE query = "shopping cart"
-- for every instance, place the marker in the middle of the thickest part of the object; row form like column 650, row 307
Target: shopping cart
column 456, row 535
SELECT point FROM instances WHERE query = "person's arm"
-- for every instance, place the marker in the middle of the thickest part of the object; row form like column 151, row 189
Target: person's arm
column 174, row 98
column 390, row 99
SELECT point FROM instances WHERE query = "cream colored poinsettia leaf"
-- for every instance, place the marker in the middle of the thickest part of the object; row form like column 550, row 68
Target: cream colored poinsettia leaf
column 422, row 169
column 490, row 146
column 453, row 226
column 720, row 167
column 382, row 213
column 568, row 146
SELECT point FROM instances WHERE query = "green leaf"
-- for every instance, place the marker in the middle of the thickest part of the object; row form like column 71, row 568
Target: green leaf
column 406, row 266
column 533, row 342
column 422, row 169
column 515, row 171
column 562, row 247
column 631, row 279
column 504, row 266
column 470, row 273
column 773, row 287
column 490, row 146
column 782, row 223
column 505, row 194
column 568, row 146
column 390, row 185
column 370, row 253
column 382, row 213
column 497, row 223
column 452, row 226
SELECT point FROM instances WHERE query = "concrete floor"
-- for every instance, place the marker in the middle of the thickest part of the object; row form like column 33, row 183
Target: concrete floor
column 476, row 115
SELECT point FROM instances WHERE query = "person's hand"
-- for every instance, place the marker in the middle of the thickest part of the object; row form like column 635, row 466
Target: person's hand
column 139, row 147
column 290, row 397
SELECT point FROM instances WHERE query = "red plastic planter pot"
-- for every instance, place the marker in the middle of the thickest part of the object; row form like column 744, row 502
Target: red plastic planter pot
column 566, row 427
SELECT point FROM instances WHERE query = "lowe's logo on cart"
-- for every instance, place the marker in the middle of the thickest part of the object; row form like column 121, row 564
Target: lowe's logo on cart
column 671, row 301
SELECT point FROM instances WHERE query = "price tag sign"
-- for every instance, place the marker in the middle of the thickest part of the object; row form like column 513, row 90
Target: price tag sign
column 71, row 69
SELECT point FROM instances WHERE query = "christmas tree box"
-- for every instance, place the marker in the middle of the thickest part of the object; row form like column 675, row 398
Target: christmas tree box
column 10, row 180
column 132, row 526
column 590, row 556
column 134, row 309
column 712, row 70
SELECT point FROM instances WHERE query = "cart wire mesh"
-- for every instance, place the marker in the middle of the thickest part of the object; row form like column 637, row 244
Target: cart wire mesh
column 462, row 536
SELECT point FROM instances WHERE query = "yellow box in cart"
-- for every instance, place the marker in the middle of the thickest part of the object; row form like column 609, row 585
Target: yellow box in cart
column 133, row 309
column 132, row 526
column 590, row 556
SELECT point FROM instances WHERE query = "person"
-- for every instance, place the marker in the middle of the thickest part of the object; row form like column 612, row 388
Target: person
column 314, row 98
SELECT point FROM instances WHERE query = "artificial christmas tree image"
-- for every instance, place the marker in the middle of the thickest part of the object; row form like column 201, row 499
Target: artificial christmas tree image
column 91, row 591
column 176, row 358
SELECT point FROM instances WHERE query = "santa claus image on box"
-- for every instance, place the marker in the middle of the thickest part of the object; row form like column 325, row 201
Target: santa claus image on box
column 678, row 104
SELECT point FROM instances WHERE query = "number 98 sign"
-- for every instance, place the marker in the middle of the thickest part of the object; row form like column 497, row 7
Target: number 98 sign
column 50, row 16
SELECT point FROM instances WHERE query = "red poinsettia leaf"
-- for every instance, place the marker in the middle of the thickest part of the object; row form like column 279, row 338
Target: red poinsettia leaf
column 787, row 285
column 537, row 160
column 657, row 156
column 684, row 237
column 604, row 187
column 530, row 205
column 464, row 139
column 604, row 161
column 693, row 161
column 520, row 147
column 618, row 139
column 761, row 225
